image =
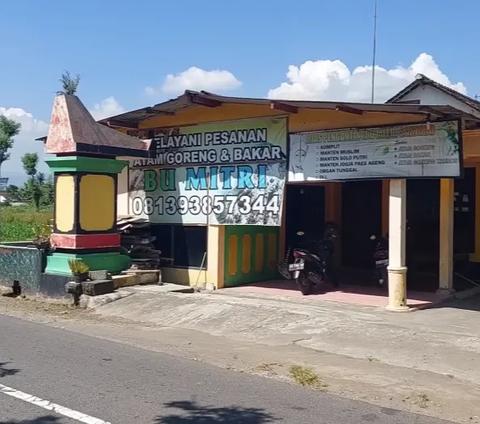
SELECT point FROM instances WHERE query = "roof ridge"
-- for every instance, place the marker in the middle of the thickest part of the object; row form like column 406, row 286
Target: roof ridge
column 421, row 78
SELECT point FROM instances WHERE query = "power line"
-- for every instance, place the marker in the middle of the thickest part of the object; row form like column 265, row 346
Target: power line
column 374, row 57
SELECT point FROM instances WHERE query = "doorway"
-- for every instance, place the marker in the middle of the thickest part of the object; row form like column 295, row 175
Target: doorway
column 305, row 211
column 423, row 225
column 361, row 217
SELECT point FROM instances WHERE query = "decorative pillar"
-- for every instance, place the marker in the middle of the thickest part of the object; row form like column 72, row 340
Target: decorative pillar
column 446, row 236
column 85, row 212
column 397, row 270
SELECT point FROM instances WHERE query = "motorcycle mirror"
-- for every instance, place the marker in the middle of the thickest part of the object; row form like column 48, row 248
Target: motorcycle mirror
column 372, row 237
column 300, row 233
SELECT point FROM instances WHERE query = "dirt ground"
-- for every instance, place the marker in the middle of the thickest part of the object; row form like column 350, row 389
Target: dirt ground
column 370, row 380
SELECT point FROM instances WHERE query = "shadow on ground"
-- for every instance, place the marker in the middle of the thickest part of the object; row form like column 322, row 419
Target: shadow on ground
column 190, row 412
column 47, row 419
column 470, row 304
column 6, row 370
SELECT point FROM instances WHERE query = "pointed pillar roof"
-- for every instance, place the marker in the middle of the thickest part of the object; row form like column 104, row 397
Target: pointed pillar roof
column 74, row 130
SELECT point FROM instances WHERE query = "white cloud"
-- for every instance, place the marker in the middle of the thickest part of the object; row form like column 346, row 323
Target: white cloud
column 106, row 108
column 332, row 80
column 196, row 79
column 24, row 143
column 151, row 91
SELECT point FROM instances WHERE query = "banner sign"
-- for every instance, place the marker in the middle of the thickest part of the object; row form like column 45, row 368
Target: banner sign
column 404, row 151
column 225, row 173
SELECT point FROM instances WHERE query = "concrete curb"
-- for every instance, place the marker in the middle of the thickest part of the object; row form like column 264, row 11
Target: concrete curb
column 161, row 288
column 93, row 302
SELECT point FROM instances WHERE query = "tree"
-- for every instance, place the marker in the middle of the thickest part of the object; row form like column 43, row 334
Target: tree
column 48, row 191
column 8, row 129
column 30, row 163
column 32, row 191
column 13, row 193
column 69, row 83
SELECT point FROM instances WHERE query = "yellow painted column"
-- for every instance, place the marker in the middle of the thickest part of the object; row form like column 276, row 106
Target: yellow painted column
column 397, row 269
column 475, row 257
column 446, row 236
column 216, row 257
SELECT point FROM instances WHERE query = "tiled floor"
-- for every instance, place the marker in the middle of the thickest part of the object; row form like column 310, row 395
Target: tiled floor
column 366, row 296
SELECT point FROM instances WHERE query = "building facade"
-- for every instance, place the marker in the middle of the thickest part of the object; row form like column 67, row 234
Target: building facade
column 218, row 148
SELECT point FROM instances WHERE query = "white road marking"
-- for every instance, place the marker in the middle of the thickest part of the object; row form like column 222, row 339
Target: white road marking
column 45, row 404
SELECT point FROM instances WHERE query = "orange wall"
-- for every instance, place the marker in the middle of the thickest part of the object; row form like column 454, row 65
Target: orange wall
column 471, row 144
column 305, row 120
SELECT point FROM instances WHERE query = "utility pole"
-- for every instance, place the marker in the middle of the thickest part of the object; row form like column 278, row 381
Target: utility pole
column 374, row 57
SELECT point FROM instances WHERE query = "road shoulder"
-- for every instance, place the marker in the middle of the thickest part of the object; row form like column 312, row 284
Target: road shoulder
column 369, row 380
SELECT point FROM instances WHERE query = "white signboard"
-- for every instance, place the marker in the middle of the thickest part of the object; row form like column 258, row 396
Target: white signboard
column 404, row 151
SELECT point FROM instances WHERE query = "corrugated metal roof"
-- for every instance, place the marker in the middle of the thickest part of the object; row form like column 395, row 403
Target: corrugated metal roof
column 195, row 99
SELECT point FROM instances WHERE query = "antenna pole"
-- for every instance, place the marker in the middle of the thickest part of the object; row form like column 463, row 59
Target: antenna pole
column 374, row 58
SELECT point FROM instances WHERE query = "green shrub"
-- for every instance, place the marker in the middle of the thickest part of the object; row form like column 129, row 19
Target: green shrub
column 24, row 223
column 77, row 266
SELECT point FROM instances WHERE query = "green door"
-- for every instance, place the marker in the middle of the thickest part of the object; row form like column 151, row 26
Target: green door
column 251, row 254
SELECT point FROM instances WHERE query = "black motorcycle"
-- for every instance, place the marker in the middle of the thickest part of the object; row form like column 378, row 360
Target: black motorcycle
column 314, row 261
column 380, row 257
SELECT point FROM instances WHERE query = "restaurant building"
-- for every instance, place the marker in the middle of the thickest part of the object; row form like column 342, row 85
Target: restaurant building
column 227, row 181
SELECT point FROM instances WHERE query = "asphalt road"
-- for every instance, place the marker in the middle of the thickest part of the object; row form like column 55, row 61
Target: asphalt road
column 90, row 378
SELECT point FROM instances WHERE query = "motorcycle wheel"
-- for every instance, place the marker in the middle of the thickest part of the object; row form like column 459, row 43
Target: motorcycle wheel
column 283, row 271
column 304, row 284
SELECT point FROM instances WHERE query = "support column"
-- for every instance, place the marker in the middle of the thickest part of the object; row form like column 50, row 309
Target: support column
column 397, row 270
column 216, row 257
column 333, row 213
column 446, row 236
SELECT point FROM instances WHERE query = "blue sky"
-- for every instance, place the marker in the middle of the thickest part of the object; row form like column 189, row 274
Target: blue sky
column 122, row 47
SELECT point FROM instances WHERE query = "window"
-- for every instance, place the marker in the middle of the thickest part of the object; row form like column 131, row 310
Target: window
column 186, row 245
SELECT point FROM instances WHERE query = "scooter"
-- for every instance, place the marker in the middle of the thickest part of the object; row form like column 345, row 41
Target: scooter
column 282, row 267
column 380, row 256
column 308, row 268
column 314, row 260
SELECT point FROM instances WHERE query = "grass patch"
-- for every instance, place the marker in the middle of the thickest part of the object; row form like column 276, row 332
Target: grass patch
column 23, row 223
column 306, row 376
column 268, row 367
column 423, row 401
